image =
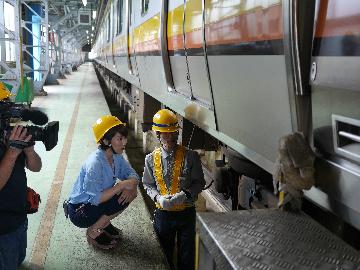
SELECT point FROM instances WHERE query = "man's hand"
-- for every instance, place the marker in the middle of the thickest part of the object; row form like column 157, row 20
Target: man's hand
column 164, row 202
column 178, row 198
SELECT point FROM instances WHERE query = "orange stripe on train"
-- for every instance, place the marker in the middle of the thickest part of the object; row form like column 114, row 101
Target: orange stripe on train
column 338, row 18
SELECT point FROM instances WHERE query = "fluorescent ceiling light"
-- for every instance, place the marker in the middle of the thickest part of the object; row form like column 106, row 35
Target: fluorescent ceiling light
column 94, row 13
column 84, row 2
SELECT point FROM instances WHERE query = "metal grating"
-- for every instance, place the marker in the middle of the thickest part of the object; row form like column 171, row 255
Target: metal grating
column 272, row 239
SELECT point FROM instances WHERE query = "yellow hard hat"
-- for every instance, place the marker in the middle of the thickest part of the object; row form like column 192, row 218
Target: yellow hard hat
column 165, row 121
column 4, row 92
column 103, row 125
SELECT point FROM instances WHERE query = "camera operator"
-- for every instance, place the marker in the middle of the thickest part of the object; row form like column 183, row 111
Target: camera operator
column 16, row 153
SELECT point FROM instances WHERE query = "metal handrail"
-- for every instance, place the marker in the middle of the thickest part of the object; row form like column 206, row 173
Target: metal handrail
column 164, row 46
column 295, row 55
column 127, row 27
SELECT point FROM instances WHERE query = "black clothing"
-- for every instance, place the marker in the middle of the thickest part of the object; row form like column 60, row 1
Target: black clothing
column 85, row 215
column 180, row 224
column 13, row 196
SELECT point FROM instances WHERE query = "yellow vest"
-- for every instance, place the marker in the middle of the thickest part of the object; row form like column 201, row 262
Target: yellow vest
column 175, row 182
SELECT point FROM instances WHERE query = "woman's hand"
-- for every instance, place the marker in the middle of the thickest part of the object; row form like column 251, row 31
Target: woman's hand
column 127, row 196
column 130, row 184
column 128, row 190
column 119, row 186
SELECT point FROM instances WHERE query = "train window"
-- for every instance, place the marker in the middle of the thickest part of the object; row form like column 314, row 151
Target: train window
column 144, row 6
column 119, row 16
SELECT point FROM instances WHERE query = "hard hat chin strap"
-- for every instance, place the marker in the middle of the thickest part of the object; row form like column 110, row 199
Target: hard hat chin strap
column 158, row 135
column 112, row 149
column 106, row 146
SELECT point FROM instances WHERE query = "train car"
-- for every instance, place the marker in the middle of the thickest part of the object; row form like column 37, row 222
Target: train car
column 241, row 75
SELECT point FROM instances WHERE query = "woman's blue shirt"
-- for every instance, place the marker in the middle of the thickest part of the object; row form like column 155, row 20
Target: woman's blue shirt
column 96, row 175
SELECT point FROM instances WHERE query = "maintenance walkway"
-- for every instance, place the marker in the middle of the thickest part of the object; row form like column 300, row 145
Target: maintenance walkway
column 53, row 241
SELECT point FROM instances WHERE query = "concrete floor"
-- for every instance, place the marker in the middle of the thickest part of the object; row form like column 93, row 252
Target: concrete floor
column 53, row 241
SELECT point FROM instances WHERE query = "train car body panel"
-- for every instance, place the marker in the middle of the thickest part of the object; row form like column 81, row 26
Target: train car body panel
column 244, row 43
column 120, row 57
column 336, row 45
column 237, row 67
column 335, row 190
column 335, row 105
column 146, row 44
column 247, row 111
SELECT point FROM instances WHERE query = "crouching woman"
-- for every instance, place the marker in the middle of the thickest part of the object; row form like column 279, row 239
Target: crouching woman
column 105, row 185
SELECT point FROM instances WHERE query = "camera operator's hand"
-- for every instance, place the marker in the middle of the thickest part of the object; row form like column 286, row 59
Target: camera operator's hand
column 7, row 162
column 29, row 149
column 19, row 139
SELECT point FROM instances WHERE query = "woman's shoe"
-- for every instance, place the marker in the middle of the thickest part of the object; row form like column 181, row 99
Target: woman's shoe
column 112, row 231
column 102, row 241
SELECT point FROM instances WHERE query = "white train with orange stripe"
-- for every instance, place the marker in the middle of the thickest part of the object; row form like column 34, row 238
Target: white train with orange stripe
column 247, row 73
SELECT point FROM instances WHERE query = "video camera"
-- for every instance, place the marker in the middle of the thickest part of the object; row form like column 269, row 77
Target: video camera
column 48, row 134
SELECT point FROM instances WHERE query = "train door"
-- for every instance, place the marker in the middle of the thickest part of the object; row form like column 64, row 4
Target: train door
column 186, row 51
column 113, row 22
column 133, row 78
column 110, row 24
column 147, row 46
column 245, row 50
column 121, row 54
column 176, row 48
column 335, row 98
column 194, row 46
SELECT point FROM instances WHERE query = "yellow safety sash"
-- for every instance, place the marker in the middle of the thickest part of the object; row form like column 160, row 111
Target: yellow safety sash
column 175, row 182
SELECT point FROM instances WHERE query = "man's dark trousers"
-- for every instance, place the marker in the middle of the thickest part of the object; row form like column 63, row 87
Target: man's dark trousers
column 168, row 225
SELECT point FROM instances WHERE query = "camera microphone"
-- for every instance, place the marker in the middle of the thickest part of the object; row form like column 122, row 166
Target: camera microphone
column 36, row 117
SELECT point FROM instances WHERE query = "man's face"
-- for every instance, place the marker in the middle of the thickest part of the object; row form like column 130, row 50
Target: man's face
column 168, row 140
column 118, row 143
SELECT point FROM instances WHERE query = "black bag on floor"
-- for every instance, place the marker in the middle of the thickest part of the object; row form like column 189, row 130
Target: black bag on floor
column 66, row 208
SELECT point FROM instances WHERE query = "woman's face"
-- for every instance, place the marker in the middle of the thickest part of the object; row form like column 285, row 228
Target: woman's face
column 118, row 143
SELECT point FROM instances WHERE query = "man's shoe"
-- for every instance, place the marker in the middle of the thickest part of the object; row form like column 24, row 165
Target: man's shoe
column 112, row 231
